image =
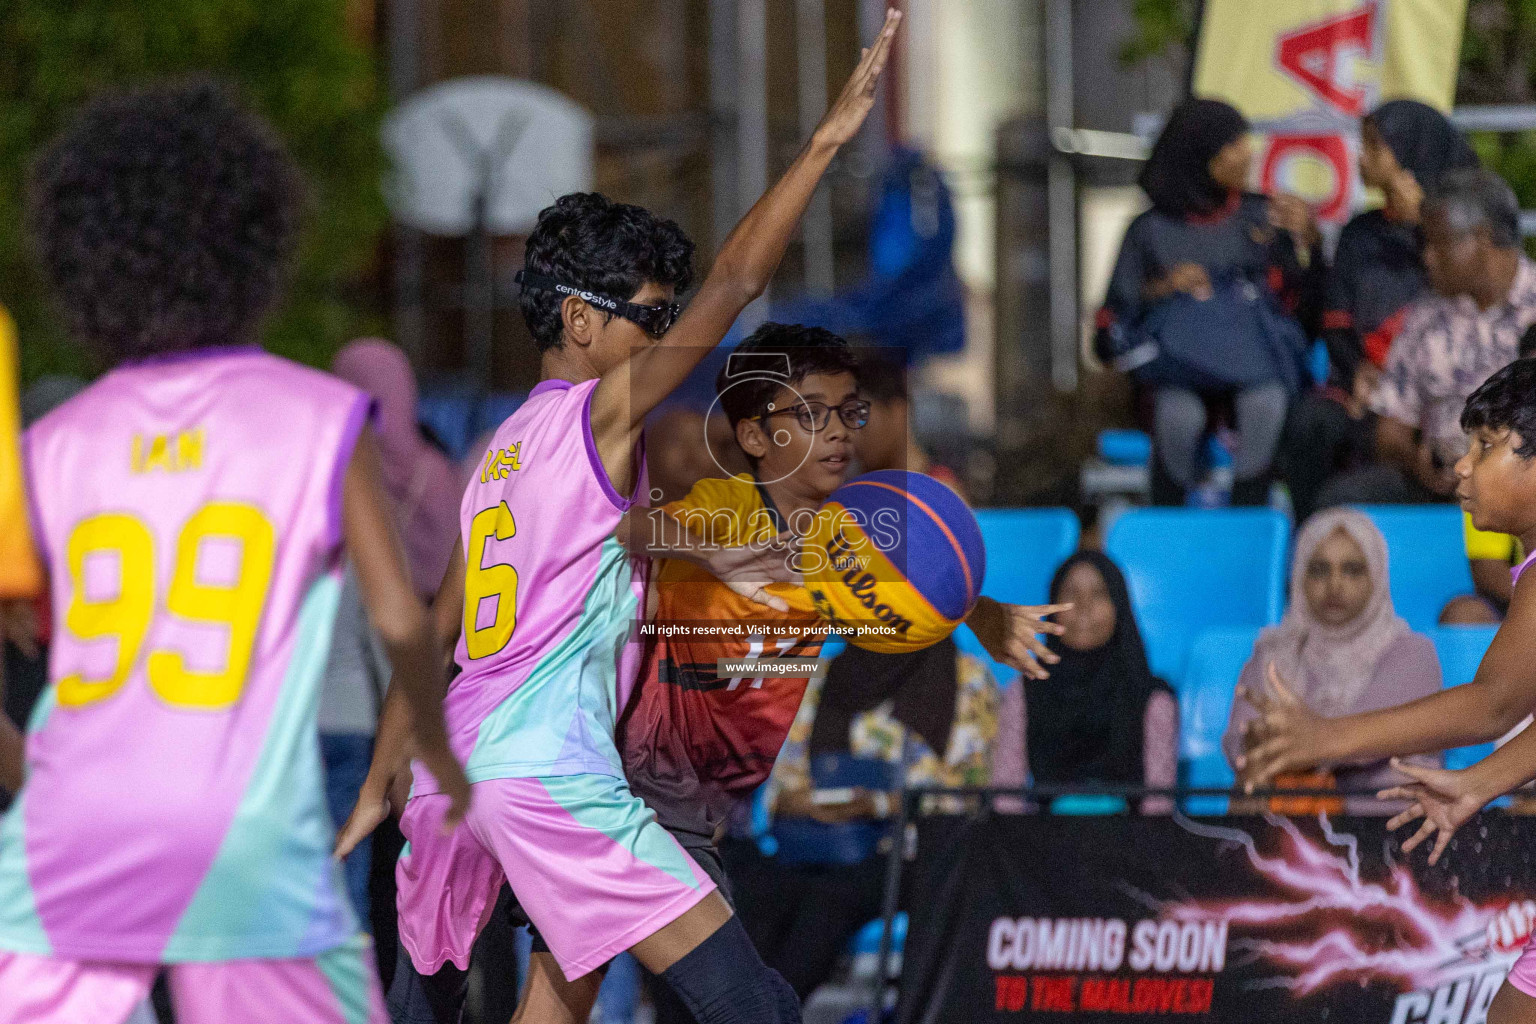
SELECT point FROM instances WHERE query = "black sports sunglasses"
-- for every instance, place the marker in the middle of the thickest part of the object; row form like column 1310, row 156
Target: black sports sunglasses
column 653, row 320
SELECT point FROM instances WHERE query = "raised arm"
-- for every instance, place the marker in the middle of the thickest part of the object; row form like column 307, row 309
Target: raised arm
column 741, row 272
column 12, row 746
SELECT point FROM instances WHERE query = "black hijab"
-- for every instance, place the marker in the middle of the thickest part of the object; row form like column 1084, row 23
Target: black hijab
column 1177, row 175
column 922, row 687
column 1422, row 139
column 1086, row 723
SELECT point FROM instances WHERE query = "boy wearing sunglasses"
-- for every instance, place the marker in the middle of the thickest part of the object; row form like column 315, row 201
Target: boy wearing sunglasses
column 540, row 601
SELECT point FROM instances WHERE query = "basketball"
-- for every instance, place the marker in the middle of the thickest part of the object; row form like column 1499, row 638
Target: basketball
column 896, row 559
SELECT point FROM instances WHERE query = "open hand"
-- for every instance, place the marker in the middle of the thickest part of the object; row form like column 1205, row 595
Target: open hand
column 1292, row 215
column 748, row 569
column 846, row 115
column 1285, row 737
column 1010, row 633
column 1189, row 278
column 1444, row 799
column 379, row 796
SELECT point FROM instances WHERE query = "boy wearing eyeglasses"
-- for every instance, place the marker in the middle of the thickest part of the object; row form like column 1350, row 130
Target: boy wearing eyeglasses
column 717, row 691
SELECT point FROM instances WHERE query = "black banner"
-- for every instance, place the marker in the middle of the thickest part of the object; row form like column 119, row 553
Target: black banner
column 1038, row 919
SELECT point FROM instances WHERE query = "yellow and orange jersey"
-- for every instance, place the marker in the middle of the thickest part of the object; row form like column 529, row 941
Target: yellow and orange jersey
column 693, row 738
column 21, row 573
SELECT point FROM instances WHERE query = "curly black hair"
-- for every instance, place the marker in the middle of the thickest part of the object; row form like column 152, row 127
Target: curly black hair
column 163, row 219
column 1506, row 401
column 589, row 241
column 773, row 356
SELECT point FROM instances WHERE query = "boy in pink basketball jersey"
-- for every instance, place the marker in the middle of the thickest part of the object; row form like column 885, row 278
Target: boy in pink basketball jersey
column 542, row 599
column 191, row 507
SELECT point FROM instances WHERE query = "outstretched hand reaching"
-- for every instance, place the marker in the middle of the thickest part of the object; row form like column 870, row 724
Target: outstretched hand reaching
column 1444, row 799
column 846, row 115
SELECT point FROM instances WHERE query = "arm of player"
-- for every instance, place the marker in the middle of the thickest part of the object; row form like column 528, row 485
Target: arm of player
column 400, row 617
column 388, row 784
column 741, row 272
column 1287, row 736
column 1010, row 633
column 1447, row 800
column 18, row 625
column 746, row 568
column 12, row 746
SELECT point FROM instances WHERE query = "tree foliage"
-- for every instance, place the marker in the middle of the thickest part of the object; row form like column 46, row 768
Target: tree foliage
column 293, row 59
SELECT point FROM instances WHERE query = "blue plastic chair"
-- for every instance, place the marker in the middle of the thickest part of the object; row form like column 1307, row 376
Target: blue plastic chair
column 1125, row 447
column 1024, row 547
column 1089, row 805
column 867, row 938
column 1461, row 650
column 1216, row 660
column 1427, row 555
column 1190, row 570
column 1318, row 362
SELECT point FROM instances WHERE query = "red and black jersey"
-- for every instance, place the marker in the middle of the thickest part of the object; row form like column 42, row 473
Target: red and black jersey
column 695, row 740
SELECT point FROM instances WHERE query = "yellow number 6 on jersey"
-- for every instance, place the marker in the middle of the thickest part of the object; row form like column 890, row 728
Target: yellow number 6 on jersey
column 483, row 581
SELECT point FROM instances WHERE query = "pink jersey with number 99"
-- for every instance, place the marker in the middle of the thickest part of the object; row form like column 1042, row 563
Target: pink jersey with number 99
column 189, row 513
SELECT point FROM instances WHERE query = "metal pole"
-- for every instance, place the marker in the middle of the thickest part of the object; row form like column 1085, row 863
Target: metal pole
column 480, row 287
column 889, row 901
column 1061, row 197
column 752, row 123
column 404, row 74
column 816, row 229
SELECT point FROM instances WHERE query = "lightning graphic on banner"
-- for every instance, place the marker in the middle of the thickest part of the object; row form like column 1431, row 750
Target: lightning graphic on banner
column 1337, row 927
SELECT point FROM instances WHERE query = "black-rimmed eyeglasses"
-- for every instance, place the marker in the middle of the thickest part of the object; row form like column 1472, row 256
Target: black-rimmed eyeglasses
column 814, row 416
column 653, row 320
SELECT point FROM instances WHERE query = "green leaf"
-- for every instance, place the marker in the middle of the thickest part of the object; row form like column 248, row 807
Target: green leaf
column 293, row 59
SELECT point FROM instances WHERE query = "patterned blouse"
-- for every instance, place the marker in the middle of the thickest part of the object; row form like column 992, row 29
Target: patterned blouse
column 1447, row 349
column 875, row 734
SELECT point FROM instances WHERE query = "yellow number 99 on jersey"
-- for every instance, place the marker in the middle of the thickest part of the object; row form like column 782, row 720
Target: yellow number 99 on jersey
column 895, row 559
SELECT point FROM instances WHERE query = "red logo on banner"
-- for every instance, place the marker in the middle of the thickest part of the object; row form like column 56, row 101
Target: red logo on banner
column 1314, row 56
column 1331, row 149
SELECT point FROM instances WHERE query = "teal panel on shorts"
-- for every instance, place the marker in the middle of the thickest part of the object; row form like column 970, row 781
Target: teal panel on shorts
column 606, row 805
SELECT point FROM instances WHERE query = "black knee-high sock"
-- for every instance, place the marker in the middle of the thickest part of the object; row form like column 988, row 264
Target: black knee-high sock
column 724, row 981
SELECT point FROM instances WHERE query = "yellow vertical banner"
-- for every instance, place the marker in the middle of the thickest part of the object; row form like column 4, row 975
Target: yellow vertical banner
column 1305, row 72
column 20, row 574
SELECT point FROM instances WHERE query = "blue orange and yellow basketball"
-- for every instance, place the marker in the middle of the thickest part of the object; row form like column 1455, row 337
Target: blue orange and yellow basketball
column 896, row 559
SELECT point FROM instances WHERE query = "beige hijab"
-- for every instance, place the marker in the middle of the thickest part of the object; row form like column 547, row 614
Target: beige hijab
column 1331, row 666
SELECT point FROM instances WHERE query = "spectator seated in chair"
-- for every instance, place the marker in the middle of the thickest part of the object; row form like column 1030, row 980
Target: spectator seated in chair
column 1376, row 276
column 1344, row 648
column 1452, row 341
column 1102, row 717
column 1199, row 305
column 930, row 714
